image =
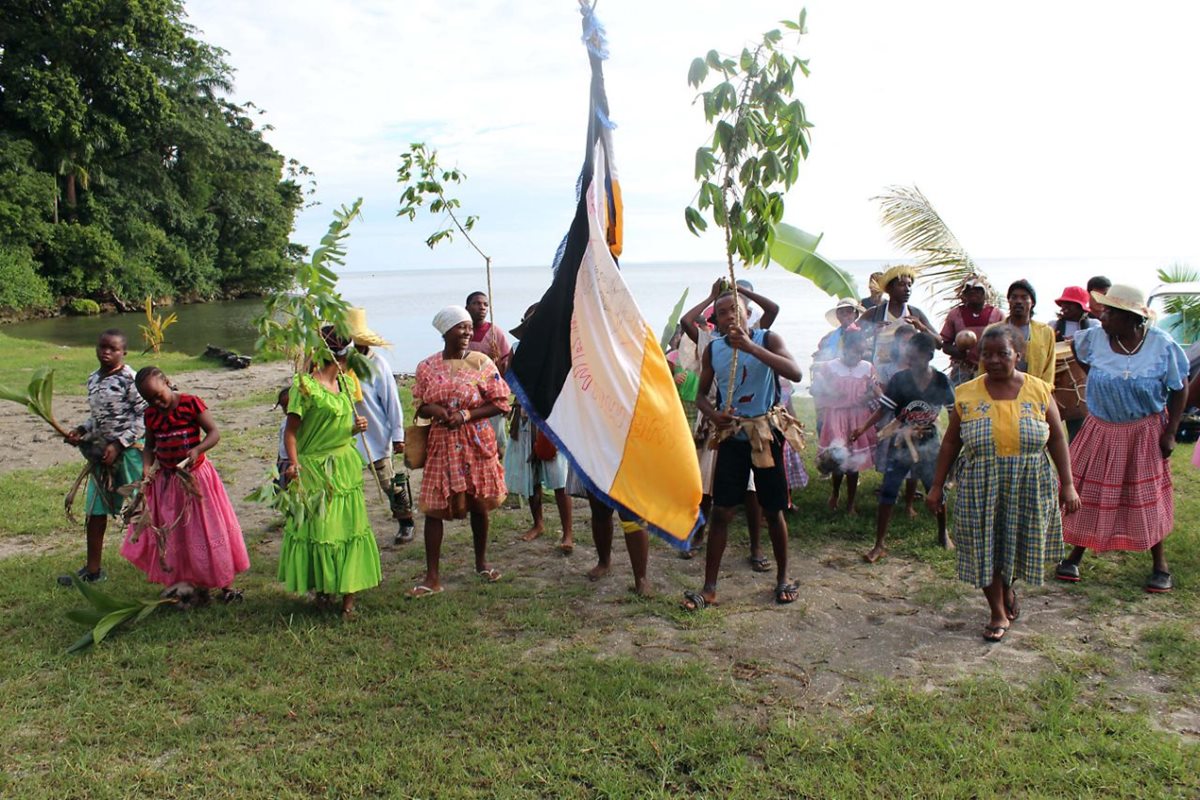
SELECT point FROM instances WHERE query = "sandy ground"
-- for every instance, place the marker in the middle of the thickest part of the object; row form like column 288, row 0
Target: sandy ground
column 854, row 622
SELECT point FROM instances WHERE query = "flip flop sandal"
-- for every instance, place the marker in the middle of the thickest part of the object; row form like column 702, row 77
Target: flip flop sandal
column 228, row 596
column 489, row 575
column 783, row 590
column 997, row 633
column 1067, row 571
column 1159, row 582
column 759, row 563
column 422, row 591
column 698, row 603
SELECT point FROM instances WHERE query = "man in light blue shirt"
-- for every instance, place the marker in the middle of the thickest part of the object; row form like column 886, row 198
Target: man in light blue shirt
column 384, row 436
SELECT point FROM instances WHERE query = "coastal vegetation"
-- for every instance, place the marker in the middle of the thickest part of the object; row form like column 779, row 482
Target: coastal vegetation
column 127, row 170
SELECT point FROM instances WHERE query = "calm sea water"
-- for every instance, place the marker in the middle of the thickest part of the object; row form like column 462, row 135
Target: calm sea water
column 401, row 304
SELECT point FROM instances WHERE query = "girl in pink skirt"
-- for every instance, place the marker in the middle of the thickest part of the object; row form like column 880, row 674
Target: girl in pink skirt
column 846, row 391
column 188, row 532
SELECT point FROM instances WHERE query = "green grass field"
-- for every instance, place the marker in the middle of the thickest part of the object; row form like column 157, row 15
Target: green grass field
column 509, row 690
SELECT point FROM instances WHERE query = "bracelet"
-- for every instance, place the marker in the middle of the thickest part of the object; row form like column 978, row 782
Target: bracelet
column 466, row 415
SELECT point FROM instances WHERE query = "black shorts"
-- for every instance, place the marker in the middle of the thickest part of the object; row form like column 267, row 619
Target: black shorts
column 732, row 474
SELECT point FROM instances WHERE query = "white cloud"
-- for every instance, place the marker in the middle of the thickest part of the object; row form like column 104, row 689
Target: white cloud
column 1038, row 129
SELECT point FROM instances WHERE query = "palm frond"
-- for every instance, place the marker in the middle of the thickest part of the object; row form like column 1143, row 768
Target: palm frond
column 915, row 225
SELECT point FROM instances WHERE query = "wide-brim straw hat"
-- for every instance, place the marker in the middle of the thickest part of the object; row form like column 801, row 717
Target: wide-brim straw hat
column 356, row 319
column 1126, row 298
column 899, row 271
column 845, row 302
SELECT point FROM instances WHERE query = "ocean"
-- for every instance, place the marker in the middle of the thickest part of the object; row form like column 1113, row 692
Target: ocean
column 401, row 304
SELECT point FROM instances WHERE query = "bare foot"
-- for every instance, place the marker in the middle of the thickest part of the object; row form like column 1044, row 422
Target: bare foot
column 945, row 542
column 532, row 533
column 851, row 511
column 347, row 606
column 597, row 572
column 874, row 554
column 566, row 546
column 912, row 512
column 642, row 588
column 833, row 503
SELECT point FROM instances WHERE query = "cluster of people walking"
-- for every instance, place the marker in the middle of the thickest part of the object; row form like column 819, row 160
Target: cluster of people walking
column 1034, row 460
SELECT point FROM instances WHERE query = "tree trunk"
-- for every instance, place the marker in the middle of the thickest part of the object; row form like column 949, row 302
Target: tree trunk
column 70, row 195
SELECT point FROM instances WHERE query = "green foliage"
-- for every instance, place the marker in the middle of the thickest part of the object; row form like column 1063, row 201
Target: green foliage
column 21, row 287
column 38, row 397
column 760, row 135
column 291, row 323
column 1184, row 310
column 154, row 332
column 130, row 173
column 424, row 181
column 673, row 321
column 106, row 614
column 295, row 502
column 796, row 251
column 83, row 307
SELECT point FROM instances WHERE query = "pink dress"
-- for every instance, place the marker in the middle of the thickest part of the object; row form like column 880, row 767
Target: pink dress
column 193, row 521
column 461, row 462
column 846, row 397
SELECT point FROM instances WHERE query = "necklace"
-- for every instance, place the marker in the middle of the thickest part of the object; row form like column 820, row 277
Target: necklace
column 1128, row 352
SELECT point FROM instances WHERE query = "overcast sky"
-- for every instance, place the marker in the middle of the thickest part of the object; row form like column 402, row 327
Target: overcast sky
column 1038, row 129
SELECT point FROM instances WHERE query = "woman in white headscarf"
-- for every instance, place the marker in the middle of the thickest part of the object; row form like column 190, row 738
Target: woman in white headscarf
column 459, row 390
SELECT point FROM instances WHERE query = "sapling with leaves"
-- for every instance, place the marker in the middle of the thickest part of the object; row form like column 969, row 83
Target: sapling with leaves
column 38, row 398
column 424, row 183
column 291, row 323
column 760, row 135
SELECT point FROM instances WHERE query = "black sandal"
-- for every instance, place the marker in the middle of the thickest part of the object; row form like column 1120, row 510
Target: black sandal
column 783, row 590
column 228, row 595
column 760, row 563
column 698, row 603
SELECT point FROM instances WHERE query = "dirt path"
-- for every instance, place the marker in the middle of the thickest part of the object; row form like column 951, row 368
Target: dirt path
column 854, row 622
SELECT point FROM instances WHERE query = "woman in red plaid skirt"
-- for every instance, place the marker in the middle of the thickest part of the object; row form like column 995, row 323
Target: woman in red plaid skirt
column 459, row 390
column 1120, row 458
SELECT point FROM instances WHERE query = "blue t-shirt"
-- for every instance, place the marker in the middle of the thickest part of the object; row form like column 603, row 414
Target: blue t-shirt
column 755, row 389
column 1125, row 388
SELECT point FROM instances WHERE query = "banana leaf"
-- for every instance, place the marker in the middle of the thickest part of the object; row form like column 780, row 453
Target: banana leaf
column 673, row 321
column 796, row 251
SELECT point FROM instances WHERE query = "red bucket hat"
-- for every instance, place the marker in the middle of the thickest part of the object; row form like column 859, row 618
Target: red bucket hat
column 1074, row 294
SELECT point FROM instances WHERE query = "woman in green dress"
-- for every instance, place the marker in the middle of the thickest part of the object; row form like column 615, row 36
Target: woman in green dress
column 332, row 552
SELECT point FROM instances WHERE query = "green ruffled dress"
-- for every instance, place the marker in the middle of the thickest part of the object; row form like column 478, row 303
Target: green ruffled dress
column 333, row 552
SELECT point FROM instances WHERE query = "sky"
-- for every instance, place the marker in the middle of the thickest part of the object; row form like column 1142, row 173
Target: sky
column 1037, row 129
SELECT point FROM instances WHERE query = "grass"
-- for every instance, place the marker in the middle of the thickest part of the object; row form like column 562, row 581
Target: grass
column 72, row 365
column 513, row 690
column 460, row 699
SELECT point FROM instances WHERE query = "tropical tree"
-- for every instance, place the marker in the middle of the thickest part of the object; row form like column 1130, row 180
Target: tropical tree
column 1183, row 311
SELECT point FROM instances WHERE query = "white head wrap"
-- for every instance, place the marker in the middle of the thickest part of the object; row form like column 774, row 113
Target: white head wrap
column 448, row 317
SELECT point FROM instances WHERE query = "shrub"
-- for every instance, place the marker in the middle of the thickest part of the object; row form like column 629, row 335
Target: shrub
column 83, row 307
column 21, row 287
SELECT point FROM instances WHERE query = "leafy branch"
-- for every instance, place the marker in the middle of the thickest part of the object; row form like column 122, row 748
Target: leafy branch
column 1185, row 307
column 760, row 136
column 107, row 613
column 291, row 322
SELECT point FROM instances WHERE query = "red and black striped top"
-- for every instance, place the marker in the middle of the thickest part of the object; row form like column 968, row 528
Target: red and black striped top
column 176, row 431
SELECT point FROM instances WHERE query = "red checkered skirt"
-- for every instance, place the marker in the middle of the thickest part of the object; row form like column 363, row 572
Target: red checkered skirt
column 1124, row 483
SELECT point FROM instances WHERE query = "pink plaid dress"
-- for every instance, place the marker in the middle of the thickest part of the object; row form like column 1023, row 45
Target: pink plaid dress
column 460, row 463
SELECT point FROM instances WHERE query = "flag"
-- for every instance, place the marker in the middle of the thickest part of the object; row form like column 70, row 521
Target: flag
column 590, row 372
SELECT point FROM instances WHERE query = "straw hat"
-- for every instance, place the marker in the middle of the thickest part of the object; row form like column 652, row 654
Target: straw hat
column 356, row 319
column 1074, row 294
column 1126, row 298
column 899, row 271
column 845, row 302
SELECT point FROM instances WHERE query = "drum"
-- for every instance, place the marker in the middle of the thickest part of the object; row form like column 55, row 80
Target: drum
column 1070, row 383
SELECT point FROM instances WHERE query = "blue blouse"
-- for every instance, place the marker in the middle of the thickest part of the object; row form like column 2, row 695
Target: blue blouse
column 1124, row 388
